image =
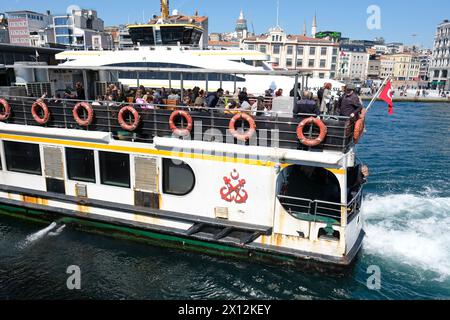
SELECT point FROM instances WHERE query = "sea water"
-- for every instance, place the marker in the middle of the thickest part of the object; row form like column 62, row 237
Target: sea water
column 407, row 220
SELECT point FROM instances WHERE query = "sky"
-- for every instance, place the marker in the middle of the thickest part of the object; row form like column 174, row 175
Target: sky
column 412, row 22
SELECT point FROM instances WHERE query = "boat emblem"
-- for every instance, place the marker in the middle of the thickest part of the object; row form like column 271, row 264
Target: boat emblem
column 233, row 192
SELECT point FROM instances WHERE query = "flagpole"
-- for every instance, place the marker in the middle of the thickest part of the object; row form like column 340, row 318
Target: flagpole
column 375, row 97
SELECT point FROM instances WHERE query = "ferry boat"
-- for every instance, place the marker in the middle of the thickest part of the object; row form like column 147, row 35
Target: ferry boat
column 272, row 186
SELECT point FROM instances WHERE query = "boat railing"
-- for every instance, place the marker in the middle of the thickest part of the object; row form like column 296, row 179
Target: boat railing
column 324, row 211
column 273, row 129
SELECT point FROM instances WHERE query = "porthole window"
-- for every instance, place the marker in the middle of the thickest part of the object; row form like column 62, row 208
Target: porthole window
column 178, row 177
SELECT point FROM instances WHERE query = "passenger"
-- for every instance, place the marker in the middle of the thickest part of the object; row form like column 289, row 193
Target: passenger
column 212, row 100
column 243, row 95
column 173, row 96
column 258, row 107
column 80, row 91
column 200, row 100
column 356, row 178
column 351, row 105
column 326, row 96
column 299, row 94
column 139, row 99
column 245, row 105
column 306, row 106
column 279, row 93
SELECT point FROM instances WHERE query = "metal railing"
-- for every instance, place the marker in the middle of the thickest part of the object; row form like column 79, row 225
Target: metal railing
column 273, row 129
column 313, row 210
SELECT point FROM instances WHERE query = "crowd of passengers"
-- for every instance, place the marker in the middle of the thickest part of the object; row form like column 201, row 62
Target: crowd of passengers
column 346, row 102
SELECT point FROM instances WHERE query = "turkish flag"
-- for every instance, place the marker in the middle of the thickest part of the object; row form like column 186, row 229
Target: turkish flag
column 386, row 95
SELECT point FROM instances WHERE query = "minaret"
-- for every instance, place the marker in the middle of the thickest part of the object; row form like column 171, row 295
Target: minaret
column 305, row 33
column 314, row 27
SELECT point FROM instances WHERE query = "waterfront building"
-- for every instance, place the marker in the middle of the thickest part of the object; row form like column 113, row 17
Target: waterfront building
column 81, row 29
column 406, row 67
column 440, row 61
column 386, row 66
column 395, row 47
column 353, row 62
column 374, row 67
column 23, row 25
column 296, row 52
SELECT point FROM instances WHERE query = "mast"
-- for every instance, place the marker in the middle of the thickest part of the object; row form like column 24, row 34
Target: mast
column 164, row 9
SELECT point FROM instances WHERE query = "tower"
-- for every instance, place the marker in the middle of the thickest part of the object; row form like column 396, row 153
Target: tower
column 305, row 33
column 314, row 27
column 241, row 25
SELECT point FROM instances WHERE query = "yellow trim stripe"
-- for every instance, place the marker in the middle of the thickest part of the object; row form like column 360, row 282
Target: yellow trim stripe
column 88, row 145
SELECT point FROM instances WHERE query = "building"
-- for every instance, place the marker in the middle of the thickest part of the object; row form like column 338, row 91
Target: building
column 406, row 67
column 114, row 34
column 81, row 30
column 374, row 67
column 296, row 52
column 353, row 62
column 440, row 61
column 395, row 47
column 424, row 57
column 23, row 25
column 241, row 26
column 386, row 66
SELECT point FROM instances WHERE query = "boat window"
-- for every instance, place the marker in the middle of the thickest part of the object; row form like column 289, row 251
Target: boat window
column 115, row 169
column 80, row 165
column 178, row 177
column 23, row 157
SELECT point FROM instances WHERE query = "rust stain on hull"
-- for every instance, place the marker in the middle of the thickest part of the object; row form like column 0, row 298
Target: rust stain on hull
column 35, row 200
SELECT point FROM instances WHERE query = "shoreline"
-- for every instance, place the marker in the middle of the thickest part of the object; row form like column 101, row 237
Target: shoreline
column 412, row 99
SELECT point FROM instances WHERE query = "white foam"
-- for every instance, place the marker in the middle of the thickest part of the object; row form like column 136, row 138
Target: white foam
column 37, row 235
column 411, row 229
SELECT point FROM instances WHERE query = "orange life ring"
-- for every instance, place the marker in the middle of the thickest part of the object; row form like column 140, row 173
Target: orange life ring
column 242, row 136
column 125, row 125
column 177, row 131
column 312, row 142
column 7, row 110
column 90, row 114
column 34, row 111
column 360, row 124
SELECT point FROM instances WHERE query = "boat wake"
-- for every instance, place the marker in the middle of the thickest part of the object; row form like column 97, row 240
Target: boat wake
column 412, row 229
column 33, row 238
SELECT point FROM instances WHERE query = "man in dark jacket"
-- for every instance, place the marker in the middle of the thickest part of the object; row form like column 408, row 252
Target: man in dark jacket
column 213, row 98
column 351, row 105
column 306, row 106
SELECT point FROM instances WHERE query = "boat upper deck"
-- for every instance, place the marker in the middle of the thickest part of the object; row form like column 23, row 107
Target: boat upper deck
column 275, row 127
column 272, row 129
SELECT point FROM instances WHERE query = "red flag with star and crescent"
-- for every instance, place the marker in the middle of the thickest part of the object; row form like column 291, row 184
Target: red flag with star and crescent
column 386, row 95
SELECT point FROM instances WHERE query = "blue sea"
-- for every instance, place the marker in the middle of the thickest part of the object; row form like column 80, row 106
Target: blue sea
column 407, row 220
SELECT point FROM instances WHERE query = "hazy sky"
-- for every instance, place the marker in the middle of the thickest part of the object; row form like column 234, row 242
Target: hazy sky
column 400, row 19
